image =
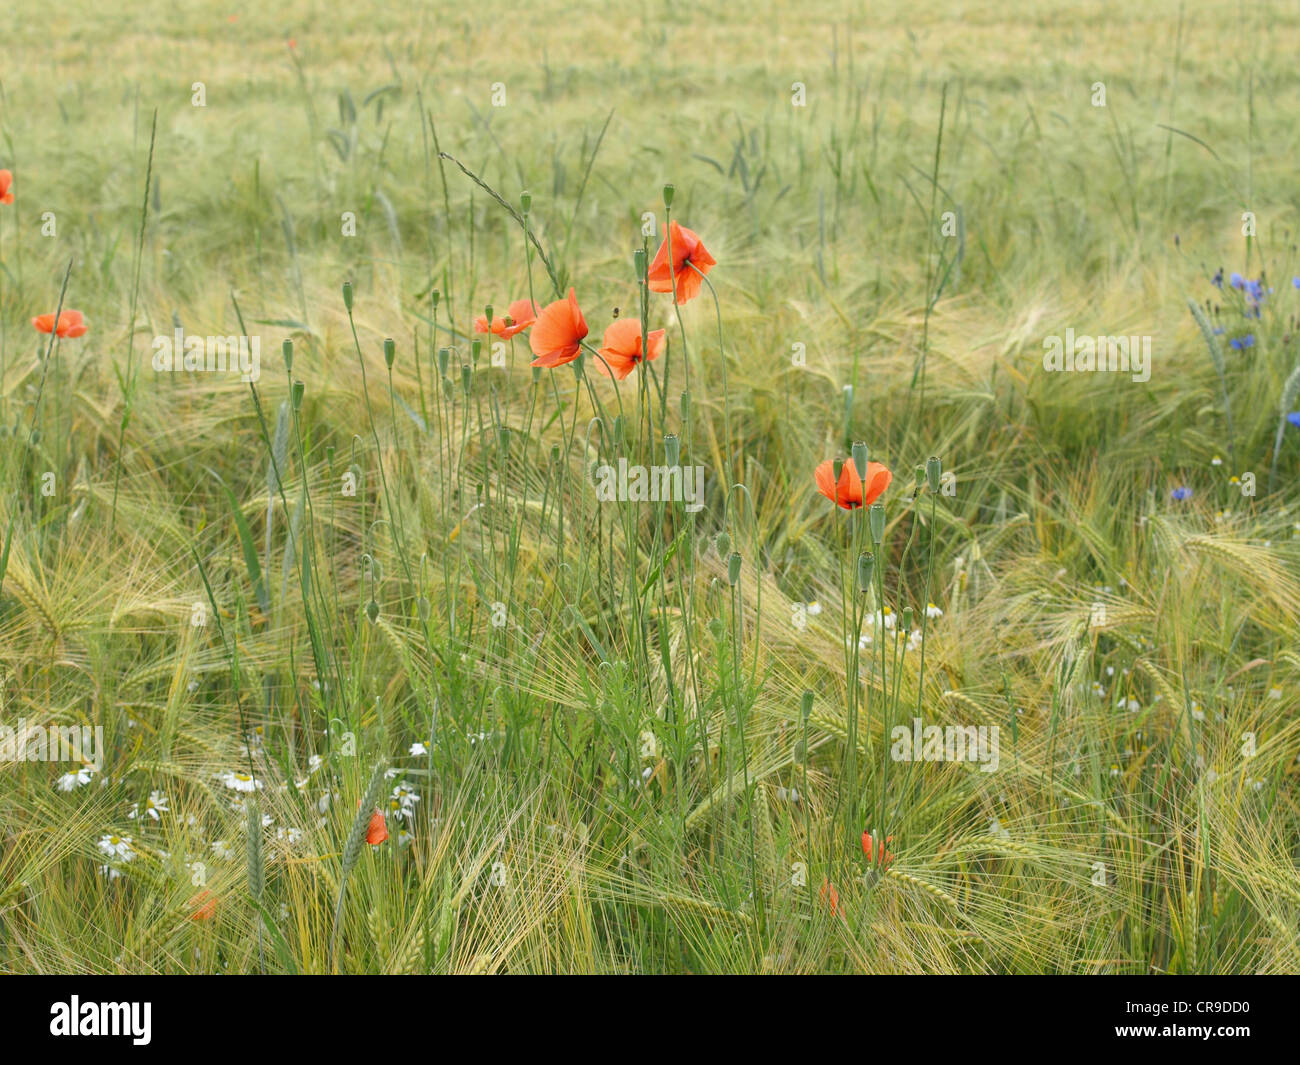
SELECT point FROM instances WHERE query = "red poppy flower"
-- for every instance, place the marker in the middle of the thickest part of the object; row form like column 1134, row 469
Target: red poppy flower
column 204, row 905
column 378, row 830
column 690, row 259
column 848, row 493
column 6, row 184
column 622, row 347
column 869, row 849
column 557, row 334
column 71, row 324
column 522, row 314
column 830, row 898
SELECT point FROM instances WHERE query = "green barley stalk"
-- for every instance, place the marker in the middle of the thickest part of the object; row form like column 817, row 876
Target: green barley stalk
column 352, row 849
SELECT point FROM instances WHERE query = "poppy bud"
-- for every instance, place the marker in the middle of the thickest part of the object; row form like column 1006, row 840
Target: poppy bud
column 526, row 202
column 933, row 471
column 806, row 705
column 298, row 389
column 347, row 295
column 466, row 375
column 555, row 454
column 733, row 568
column 672, row 449
column 669, row 191
column 877, row 520
column 907, row 618
column 860, row 458
column 287, row 349
column 35, row 437
column 434, row 297
column 866, row 567
column 390, row 351
column 474, row 349
column 723, row 543
column 444, row 357
column 372, row 611
column 639, row 263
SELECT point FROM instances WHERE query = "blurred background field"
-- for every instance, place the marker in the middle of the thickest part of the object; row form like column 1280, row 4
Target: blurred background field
column 949, row 194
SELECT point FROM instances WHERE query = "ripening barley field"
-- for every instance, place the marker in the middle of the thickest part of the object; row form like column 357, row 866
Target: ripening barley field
column 680, row 488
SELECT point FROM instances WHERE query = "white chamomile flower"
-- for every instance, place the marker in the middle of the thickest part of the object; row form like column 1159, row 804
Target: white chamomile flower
column 932, row 611
column 1216, row 461
column 77, row 779
column 914, row 640
column 814, row 608
column 1275, row 692
column 241, row 781
column 222, row 850
column 117, row 847
column 417, row 749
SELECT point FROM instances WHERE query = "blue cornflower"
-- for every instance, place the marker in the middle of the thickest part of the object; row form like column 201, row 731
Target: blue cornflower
column 1296, row 281
column 1241, row 343
column 1217, row 279
column 1181, row 493
column 1294, row 418
column 1237, row 280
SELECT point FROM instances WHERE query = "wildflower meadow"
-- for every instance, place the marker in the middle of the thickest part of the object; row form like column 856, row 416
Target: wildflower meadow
column 672, row 489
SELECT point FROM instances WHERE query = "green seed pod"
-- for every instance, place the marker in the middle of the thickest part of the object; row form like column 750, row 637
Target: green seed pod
column 877, row 521
column 733, row 568
column 672, row 449
column 444, row 359
column 907, row 618
column 298, row 389
column 526, row 202
column 487, row 313
column 933, row 472
column 287, row 349
column 669, row 192
column 347, row 295
column 434, row 297
column 466, row 377
column 475, row 349
column 390, row 351
column 866, row 568
column 806, row 705
column 860, row 458
column 639, row 260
